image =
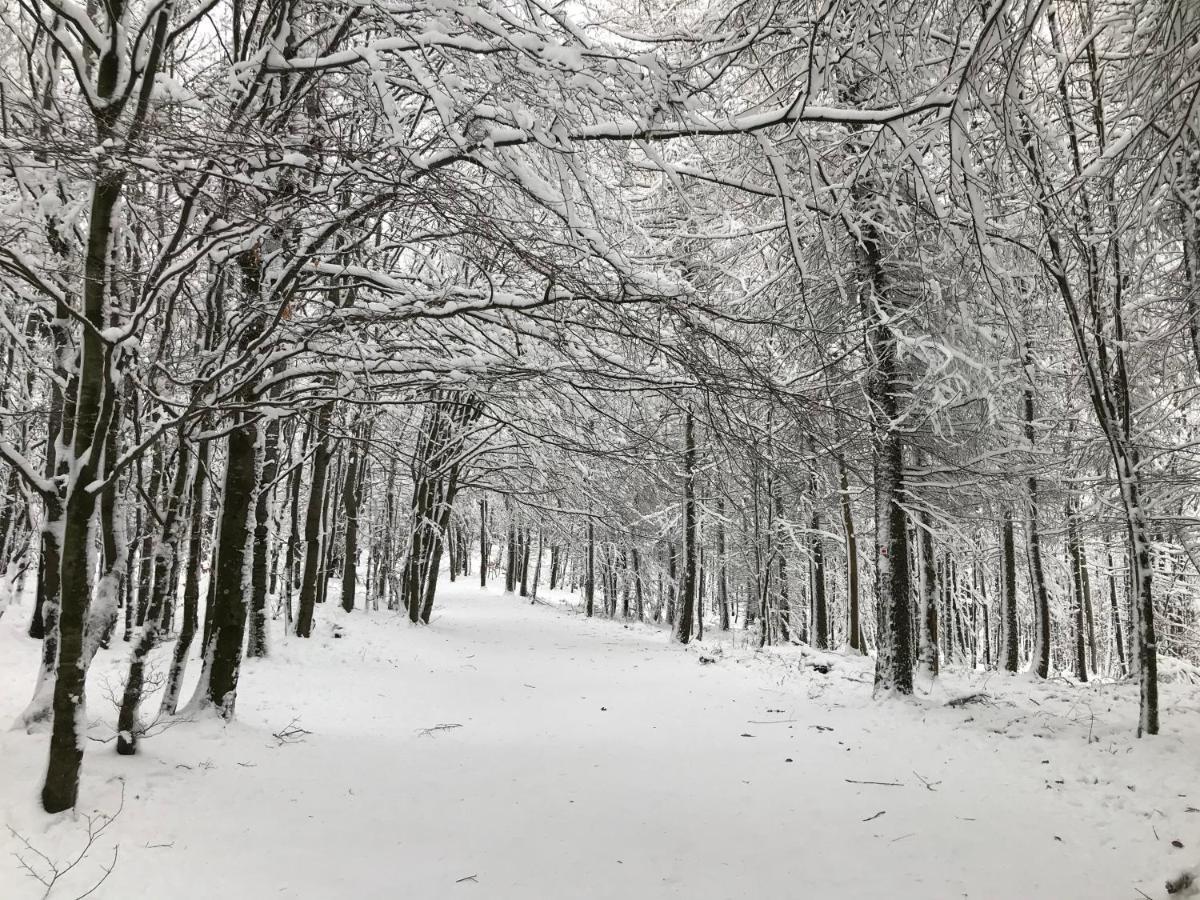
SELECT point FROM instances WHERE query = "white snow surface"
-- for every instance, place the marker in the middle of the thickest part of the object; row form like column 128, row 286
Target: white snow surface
column 593, row 760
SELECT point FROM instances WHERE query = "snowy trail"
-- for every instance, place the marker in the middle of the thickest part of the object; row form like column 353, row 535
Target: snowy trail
column 595, row 761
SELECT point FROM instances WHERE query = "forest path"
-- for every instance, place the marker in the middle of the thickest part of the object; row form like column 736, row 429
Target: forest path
column 513, row 750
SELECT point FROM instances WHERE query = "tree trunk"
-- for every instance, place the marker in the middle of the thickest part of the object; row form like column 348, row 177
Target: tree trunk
column 191, row 587
column 589, row 585
column 484, row 550
column 164, row 558
column 268, row 454
column 223, row 651
column 683, row 633
column 927, row 644
column 312, row 526
column 351, row 496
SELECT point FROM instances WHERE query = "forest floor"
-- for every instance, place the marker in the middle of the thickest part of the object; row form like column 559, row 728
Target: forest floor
column 518, row 750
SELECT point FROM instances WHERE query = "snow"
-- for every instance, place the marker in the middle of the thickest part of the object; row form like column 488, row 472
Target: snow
column 518, row 750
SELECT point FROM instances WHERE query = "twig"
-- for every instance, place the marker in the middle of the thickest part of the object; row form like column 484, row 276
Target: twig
column 445, row 726
column 466, row 878
column 96, row 826
column 928, row 785
column 876, row 816
column 881, row 783
column 291, row 733
column 103, row 878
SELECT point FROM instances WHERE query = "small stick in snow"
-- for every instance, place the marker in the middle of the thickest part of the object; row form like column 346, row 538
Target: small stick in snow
column 928, row 785
column 881, row 783
column 291, row 733
column 466, row 878
column 444, row 726
column 876, row 816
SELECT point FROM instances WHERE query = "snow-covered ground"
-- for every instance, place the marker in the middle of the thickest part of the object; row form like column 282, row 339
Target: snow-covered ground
column 517, row 750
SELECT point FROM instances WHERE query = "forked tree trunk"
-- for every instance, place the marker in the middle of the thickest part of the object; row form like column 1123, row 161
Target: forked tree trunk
column 167, row 546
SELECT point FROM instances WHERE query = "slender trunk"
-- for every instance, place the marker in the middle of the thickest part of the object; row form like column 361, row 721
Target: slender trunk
column 1009, row 658
column 1078, row 656
column 191, row 587
column 510, row 566
column 268, row 455
column 351, row 495
column 589, row 587
column 853, row 626
column 166, row 549
column 1040, row 663
column 483, row 545
column 820, row 617
column 639, row 601
column 722, row 571
column 537, row 570
column 1118, row 638
column 312, row 526
column 927, row 644
column 525, row 545
column 683, row 633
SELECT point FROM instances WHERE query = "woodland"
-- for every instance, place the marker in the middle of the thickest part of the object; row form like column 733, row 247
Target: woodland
column 862, row 329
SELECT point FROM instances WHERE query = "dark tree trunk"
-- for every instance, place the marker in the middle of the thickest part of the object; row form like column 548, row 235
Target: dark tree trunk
column 1078, row 655
column 852, row 591
column 191, row 587
column 351, row 496
column 223, row 652
column 672, row 581
column 525, row 545
column 256, row 638
column 94, row 401
column 510, row 565
column 927, row 651
column 1009, row 658
column 312, row 526
column 589, row 586
column 683, row 633
column 484, row 549
column 820, row 628
column 1118, row 638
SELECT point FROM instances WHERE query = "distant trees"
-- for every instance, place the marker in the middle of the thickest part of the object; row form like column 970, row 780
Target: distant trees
column 331, row 292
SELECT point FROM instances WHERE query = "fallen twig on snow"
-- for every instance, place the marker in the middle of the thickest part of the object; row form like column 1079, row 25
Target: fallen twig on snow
column 444, row 726
column 880, row 783
column 96, row 826
column 928, row 785
column 291, row 733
